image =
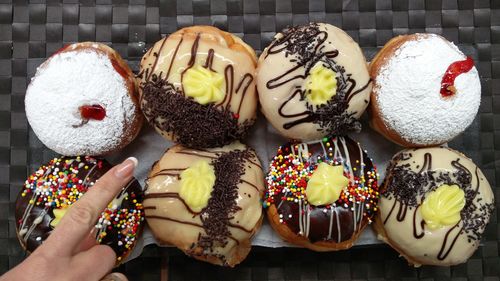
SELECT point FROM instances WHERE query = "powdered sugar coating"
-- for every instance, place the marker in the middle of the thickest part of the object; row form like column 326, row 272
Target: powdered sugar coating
column 408, row 92
column 67, row 81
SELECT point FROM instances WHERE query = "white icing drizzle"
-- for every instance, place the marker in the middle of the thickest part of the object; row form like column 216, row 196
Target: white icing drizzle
column 347, row 159
column 331, row 224
column 338, row 226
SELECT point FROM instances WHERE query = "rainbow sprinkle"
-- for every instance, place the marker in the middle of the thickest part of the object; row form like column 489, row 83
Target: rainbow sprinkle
column 58, row 185
column 288, row 176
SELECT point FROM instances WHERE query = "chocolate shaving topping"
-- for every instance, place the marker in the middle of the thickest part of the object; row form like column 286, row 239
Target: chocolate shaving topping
column 300, row 41
column 222, row 205
column 169, row 110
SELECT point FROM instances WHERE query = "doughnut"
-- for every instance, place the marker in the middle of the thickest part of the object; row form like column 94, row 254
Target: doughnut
column 206, row 202
column 83, row 101
column 197, row 87
column 435, row 204
column 321, row 194
column 50, row 191
column 425, row 91
column 312, row 82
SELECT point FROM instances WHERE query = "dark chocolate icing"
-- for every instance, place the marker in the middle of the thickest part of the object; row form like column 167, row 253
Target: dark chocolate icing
column 89, row 170
column 343, row 219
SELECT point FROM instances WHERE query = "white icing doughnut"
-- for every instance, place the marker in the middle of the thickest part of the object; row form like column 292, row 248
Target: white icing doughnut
column 75, row 77
column 434, row 207
column 313, row 81
column 407, row 91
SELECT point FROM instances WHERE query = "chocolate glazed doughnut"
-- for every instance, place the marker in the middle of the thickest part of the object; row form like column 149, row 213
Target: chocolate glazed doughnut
column 292, row 207
column 434, row 207
column 313, row 81
column 54, row 187
column 197, row 87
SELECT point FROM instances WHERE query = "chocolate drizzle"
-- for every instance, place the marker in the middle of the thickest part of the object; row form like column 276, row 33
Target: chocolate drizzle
column 408, row 189
column 304, row 45
column 192, row 124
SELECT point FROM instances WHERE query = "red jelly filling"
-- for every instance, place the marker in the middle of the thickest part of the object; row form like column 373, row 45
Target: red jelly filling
column 94, row 111
column 60, row 50
column 455, row 69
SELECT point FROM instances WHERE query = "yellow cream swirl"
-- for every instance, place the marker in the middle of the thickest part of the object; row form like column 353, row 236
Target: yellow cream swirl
column 197, row 183
column 58, row 215
column 320, row 85
column 326, row 184
column 203, row 85
column 442, row 206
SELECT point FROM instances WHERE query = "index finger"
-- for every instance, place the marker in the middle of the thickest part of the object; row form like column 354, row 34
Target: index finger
column 82, row 216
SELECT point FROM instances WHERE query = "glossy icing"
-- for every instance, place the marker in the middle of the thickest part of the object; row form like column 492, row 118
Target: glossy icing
column 53, row 188
column 234, row 203
column 286, row 64
column 287, row 183
column 418, row 174
column 199, row 115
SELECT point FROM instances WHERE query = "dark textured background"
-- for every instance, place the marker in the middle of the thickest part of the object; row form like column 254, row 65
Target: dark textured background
column 30, row 32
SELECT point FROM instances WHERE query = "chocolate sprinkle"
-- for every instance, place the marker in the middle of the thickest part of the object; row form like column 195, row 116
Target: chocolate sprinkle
column 300, row 41
column 229, row 168
column 168, row 109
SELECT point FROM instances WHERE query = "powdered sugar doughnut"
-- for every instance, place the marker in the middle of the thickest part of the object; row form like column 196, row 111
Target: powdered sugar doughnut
column 426, row 91
column 83, row 100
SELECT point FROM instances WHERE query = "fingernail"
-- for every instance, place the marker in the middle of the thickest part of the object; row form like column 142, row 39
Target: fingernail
column 113, row 277
column 126, row 168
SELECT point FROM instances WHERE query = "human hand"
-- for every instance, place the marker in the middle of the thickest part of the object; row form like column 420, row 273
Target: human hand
column 71, row 251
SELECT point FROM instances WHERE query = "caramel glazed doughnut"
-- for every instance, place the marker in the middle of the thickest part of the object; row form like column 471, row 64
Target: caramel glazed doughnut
column 206, row 202
column 54, row 187
column 197, row 87
column 313, row 81
column 434, row 207
column 83, row 101
column 321, row 194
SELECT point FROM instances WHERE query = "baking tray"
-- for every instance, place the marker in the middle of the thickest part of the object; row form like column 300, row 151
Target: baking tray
column 31, row 31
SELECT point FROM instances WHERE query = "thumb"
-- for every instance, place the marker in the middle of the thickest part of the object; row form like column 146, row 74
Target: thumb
column 115, row 276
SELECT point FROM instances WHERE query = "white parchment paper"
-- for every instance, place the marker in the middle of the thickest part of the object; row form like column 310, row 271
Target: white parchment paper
column 150, row 146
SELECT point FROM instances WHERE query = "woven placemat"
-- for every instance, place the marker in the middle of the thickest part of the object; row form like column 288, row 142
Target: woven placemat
column 30, row 32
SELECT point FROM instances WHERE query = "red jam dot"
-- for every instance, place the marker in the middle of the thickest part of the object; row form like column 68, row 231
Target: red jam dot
column 455, row 69
column 94, row 111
